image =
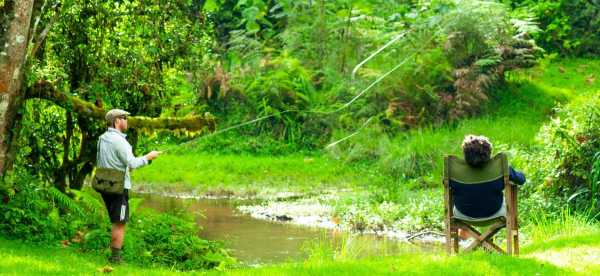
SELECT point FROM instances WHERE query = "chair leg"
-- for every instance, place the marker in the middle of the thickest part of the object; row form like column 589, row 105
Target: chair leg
column 509, row 238
column 455, row 240
column 483, row 239
column 448, row 238
column 515, row 242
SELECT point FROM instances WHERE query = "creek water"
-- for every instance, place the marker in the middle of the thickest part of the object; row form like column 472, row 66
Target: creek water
column 256, row 241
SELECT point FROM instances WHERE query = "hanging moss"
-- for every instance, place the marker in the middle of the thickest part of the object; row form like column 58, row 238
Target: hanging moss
column 45, row 90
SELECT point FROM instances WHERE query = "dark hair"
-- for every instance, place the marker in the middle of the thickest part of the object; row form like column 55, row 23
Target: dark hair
column 477, row 150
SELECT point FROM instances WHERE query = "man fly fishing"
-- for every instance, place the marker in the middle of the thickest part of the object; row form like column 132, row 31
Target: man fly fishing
column 114, row 160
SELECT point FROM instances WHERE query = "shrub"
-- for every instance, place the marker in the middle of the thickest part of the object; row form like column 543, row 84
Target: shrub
column 39, row 212
column 568, row 26
column 162, row 239
column 567, row 165
column 171, row 240
column 282, row 89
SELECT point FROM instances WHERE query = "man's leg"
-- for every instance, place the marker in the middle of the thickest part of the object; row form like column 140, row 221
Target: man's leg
column 116, row 245
column 463, row 234
column 118, row 233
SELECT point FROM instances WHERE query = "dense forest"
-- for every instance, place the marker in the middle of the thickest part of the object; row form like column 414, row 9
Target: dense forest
column 364, row 95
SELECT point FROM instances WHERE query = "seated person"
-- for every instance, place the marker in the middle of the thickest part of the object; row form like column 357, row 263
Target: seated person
column 477, row 202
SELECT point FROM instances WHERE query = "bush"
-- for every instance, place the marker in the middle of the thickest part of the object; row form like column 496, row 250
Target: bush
column 171, row 240
column 566, row 166
column 282, row 89
column 568, row 26
column 35, row 211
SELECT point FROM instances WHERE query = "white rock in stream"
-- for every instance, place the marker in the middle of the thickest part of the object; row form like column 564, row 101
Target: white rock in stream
column 303, row 212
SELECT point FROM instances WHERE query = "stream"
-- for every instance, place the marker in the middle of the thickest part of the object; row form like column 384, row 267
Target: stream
column 256, row 241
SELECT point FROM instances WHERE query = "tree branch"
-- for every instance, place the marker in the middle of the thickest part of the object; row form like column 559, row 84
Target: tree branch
column 45, row 90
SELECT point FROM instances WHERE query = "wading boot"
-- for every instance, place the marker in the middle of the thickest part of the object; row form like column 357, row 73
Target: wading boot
column 115, row 258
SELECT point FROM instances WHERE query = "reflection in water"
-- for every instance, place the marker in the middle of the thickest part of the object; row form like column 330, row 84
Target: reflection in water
column 255, row 241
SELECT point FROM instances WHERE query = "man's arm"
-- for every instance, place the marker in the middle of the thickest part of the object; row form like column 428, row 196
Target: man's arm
column 516, row 176
column 126, row 156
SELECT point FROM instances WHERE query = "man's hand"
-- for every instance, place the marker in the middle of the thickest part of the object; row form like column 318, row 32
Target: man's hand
column 152, row 155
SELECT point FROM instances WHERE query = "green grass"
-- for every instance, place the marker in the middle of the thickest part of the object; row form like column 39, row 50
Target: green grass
column 418, row 264
column 19, row 258
column 512, row 120
column 245, row 173
column 571, row 249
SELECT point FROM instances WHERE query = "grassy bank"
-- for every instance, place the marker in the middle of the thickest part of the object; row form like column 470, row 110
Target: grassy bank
column 511, row 120
column 207, row 172
column 380, row 175
column 567, row 247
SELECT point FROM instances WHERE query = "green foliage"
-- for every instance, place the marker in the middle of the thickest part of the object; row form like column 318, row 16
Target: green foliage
column 37, row 212
column 162, row 240
column 281, row 88
column 134, row 55
column 569, row 156
column 248, row 17
column 171, row 240
column 96, row 239
column 569, row 27
column 41, row 213
column 65, row 202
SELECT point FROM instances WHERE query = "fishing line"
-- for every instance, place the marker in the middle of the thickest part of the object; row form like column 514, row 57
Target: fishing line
column 346, row 105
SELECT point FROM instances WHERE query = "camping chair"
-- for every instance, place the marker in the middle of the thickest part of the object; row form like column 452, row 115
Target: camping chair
column 458, row 170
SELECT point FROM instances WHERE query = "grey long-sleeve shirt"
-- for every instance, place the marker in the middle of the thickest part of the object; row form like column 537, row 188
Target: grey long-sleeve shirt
column 114, row 152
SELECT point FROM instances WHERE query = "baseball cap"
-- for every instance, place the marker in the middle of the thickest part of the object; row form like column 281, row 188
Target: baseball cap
column 112, row 114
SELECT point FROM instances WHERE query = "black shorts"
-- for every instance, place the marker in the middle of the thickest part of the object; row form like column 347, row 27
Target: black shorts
column 117, row 206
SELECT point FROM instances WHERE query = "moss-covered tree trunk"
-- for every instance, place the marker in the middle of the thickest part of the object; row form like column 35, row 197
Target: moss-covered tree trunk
column 15, row 18
column 45, row 90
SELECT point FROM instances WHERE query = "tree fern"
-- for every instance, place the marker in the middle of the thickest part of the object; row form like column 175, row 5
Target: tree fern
column 63, row 201
column 90, row 203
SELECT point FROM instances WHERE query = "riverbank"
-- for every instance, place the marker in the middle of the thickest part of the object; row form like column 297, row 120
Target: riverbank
column 395, row 184
column 568, row 247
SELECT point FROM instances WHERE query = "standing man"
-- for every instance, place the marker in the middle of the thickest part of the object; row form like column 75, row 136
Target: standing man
column 114, row 152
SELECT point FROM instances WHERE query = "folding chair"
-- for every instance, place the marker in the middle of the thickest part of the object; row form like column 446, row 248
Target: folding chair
column 457, row 170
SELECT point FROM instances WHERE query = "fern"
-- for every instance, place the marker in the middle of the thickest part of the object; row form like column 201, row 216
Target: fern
column 90, row 203
column 63, row 201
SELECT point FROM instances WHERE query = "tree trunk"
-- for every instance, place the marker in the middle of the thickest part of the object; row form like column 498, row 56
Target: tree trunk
column 13, row 37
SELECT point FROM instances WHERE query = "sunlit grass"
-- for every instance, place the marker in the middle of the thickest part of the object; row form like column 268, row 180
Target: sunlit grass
column 511, row 120
column 570, row 247
column 244, row 172
column 19, row 258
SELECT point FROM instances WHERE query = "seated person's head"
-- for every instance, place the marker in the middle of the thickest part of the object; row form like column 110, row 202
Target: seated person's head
column 477, row 150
